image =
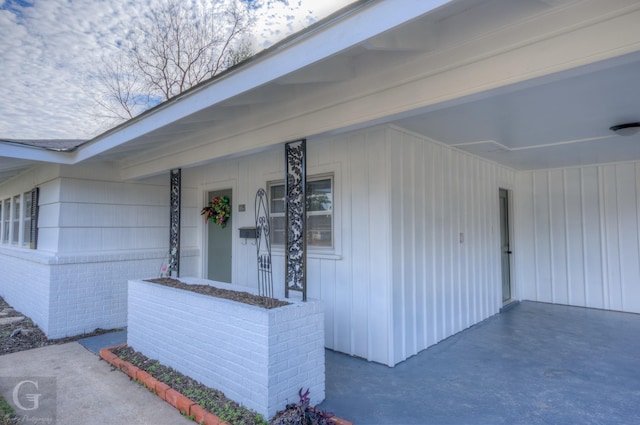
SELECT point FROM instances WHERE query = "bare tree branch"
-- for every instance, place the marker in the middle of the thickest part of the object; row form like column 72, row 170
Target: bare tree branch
column 175, row 47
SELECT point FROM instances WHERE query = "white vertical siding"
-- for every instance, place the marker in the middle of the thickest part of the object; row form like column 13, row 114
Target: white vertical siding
column 353, row 279
column 440, row 284
column 578, row 236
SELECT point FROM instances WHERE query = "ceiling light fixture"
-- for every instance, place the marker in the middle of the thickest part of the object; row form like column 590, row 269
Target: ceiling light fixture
column 628, row 129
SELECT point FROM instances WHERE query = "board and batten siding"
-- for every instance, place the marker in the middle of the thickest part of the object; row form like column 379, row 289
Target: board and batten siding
column 398, row 280
column 353, row 279
column 578, row 236
column 445, row 240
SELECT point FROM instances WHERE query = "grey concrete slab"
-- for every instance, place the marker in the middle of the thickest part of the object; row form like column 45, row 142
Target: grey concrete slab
column 98, row 342
column 533, row 364
column 86, row 390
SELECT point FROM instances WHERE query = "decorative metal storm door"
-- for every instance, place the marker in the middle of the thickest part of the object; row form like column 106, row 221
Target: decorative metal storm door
column 174, row 225
column 263, row 244
column 295, row 186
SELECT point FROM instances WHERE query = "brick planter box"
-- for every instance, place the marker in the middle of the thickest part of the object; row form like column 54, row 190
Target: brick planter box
column 257, row 357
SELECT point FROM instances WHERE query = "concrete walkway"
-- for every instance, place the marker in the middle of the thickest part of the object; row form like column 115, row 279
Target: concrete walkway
column 77, row 389
column 533, row 364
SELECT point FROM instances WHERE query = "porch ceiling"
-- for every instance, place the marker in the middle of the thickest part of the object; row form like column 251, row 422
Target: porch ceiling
column 556, row 121
column 529, row 84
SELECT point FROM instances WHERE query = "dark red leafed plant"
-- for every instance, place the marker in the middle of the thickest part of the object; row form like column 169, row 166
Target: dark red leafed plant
column 301, row 413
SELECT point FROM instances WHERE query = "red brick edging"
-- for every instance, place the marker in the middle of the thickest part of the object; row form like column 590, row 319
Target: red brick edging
column 183, row 404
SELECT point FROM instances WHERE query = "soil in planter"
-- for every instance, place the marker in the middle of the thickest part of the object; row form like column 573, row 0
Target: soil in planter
column 216, row 402
column 210, row 399
column 243, row 297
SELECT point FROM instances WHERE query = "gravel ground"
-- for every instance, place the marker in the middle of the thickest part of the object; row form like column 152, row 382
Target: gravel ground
column 25, row 335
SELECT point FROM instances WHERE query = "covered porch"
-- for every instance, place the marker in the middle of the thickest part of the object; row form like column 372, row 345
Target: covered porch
column 536, row 363
column 417, row 122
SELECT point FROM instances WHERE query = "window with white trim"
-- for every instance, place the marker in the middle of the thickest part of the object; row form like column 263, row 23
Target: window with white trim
column 26, row 219
column 15, row 220
column 319, row 212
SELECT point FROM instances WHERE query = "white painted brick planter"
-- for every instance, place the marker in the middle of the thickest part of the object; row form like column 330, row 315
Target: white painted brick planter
column 257, row 357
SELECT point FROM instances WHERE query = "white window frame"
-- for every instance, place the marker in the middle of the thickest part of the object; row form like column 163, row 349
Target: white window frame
column 312, row 178
column 16, row 218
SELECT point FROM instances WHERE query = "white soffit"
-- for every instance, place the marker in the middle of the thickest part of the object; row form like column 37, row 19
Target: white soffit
column 312, row 46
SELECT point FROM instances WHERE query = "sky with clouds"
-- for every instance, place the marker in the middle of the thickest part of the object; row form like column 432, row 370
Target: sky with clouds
column 48, row 48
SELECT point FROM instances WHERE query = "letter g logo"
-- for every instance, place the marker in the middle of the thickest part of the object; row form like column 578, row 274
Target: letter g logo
column 34, row 398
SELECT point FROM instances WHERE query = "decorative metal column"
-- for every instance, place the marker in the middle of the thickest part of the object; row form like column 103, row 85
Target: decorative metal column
column 174, row 225
column 295, row 217
column 263, row 244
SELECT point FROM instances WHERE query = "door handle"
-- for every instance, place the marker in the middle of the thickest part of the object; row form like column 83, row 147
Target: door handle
column 508, row 252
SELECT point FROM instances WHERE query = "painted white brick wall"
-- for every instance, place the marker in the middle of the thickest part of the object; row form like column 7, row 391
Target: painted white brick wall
column 24, row 283
column 90, row 292
column 70, row 295
column 94, row 235
column 258, row 357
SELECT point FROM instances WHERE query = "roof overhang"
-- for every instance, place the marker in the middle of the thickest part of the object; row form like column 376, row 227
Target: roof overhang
column 401, row 62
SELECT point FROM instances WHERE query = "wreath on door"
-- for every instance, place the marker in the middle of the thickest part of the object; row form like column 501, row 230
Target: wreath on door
column 218, row 211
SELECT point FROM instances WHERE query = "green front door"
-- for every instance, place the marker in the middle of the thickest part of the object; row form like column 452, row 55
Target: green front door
column 219, row 249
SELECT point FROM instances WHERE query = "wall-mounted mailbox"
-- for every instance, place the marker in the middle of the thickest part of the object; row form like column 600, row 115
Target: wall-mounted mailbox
column 248, row 232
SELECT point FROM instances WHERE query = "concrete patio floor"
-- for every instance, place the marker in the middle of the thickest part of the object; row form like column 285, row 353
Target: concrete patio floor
column 533, row 364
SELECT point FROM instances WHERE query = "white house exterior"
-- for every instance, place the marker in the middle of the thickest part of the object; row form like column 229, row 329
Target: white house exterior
column 415, row 114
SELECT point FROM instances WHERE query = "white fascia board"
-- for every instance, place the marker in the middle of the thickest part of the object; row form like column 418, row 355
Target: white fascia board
column 8, row 150
column 308, row 48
